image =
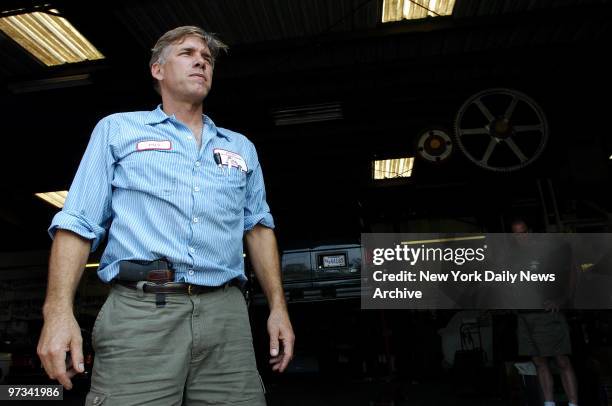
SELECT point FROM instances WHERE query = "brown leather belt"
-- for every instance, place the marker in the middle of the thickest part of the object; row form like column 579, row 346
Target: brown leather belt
column 177, row 287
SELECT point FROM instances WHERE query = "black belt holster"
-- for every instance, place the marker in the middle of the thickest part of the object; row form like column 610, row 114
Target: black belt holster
column 158, row 272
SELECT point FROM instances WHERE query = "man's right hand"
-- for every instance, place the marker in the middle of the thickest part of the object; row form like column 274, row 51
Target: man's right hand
column 61, row 334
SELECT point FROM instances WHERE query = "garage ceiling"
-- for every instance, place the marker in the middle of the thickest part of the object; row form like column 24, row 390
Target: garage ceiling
column 390, row 81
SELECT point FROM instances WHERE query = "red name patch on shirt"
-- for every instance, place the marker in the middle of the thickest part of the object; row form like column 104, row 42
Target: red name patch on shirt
column 146, row 145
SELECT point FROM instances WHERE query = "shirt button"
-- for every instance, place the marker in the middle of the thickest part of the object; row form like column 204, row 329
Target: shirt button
column 197, row 163
column 196, row 189
column 195, row 220
column 189, row 137
column 190, row 272
column 191, row 249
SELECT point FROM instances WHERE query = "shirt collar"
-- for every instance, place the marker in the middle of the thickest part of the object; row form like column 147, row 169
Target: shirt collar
column 159, row 116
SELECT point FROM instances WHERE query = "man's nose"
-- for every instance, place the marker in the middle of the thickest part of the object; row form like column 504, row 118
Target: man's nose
column 200, row 62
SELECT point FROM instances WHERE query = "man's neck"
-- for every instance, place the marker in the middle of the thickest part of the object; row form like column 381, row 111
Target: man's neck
column 188, row 113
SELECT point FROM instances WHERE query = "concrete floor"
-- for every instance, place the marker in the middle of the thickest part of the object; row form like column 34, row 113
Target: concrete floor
column 308, row 392
column 315, row 391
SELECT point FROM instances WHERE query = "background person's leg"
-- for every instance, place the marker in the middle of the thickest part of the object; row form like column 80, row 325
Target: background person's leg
column 568, row 378
column 544, row 377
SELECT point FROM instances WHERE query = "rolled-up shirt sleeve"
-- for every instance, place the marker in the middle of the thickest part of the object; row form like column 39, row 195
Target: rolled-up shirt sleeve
column 87, row 210
column 256, row 210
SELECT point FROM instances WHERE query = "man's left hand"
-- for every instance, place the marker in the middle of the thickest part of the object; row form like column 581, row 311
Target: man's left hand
column 281, row 339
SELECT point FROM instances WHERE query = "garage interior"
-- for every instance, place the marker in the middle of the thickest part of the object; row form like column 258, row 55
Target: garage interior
column 325, row 89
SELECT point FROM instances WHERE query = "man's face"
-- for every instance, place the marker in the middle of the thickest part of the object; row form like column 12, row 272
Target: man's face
column 520, row 231
column 187, row 70
column 519, row 227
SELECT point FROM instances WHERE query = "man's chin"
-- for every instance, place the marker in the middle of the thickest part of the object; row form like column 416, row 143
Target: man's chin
column 197, row 97
column 203, row 92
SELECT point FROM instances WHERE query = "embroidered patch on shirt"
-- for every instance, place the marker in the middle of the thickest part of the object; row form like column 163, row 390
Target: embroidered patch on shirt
column 146, row 145
column 229, row 159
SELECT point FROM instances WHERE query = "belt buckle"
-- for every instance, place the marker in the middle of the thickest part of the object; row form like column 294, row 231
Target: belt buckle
column 189, row 289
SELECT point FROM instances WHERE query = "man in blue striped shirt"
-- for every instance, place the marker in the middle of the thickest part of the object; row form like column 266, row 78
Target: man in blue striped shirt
column 170, row 184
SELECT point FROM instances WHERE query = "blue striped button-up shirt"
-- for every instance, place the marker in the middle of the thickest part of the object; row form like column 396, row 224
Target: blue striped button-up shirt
column 144, row 180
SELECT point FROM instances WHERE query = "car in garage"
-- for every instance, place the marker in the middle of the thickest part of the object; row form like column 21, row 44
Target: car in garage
column 323, row 272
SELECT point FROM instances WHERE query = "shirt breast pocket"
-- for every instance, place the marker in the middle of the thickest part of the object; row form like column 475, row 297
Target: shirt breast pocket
column 229, row 187
column 151, row 171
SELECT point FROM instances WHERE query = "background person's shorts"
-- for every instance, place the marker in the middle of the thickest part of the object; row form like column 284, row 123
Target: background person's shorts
column 543, row 334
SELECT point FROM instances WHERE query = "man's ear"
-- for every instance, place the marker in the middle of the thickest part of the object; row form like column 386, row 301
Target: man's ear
column 157, row 71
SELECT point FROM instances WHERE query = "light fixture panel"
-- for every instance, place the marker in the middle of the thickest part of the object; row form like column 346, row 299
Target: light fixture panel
column 49, row 38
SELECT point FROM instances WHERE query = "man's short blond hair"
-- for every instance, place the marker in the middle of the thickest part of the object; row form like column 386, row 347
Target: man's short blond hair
column 160, row 50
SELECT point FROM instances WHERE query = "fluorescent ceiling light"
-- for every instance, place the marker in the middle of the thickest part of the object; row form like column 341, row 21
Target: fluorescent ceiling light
column 49, row 38
column 57, row 199
column 59, row 82
column 393, row 168
column 307, row 114
column 396, row 10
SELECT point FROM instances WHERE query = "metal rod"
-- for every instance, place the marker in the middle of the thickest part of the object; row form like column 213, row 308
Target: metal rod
column 538, row 182
column 554, row 203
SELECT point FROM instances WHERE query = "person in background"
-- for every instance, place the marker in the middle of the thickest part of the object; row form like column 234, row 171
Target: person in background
column 544, row 334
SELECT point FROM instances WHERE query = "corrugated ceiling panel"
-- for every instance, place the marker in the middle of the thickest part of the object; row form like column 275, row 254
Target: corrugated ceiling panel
column 475, row 8
column 243, row 22
column 256, row 21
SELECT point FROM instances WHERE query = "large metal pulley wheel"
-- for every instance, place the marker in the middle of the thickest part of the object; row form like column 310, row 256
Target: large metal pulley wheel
column 501, row 129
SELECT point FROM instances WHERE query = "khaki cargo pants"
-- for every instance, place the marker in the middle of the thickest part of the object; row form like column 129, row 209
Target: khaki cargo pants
column 196, row 350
